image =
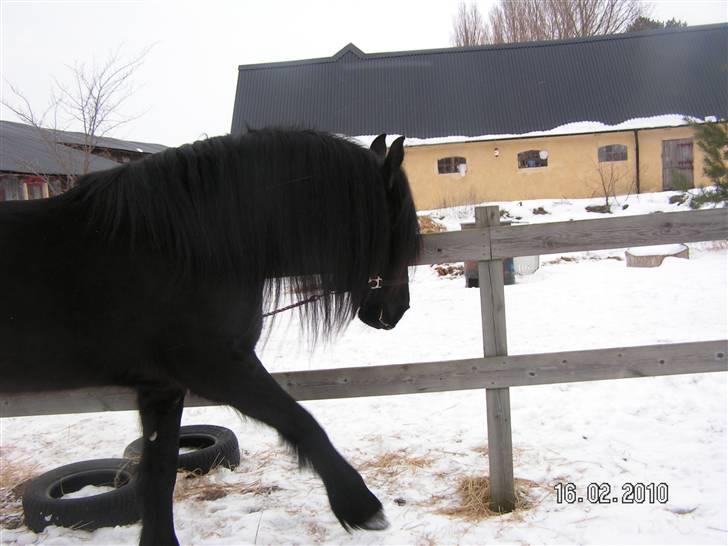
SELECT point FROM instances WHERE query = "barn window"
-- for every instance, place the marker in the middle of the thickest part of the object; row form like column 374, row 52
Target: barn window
column 21, row 188
column 533, row 158
column 450, row 165
column 613, row 152
column 10, row 189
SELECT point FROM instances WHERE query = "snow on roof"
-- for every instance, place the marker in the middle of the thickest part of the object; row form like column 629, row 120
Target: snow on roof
column 575, row 128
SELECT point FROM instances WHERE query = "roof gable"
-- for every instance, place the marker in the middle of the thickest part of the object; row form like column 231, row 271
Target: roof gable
column 349, row 53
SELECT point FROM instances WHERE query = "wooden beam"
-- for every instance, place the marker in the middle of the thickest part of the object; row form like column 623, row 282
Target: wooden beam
column 624, row 231
column 508, row 371
column 578, row 235
column 498, row 400
column 455, row 246
column 426, row 377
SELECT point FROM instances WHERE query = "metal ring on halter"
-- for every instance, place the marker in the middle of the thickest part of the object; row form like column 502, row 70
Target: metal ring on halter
column 375, row 282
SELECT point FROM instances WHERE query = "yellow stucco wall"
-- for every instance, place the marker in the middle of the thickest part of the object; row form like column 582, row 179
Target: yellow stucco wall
column 573, row 169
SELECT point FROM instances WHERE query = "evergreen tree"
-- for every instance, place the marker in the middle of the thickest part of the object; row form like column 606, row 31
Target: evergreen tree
column 645, row 23
column 712, row 138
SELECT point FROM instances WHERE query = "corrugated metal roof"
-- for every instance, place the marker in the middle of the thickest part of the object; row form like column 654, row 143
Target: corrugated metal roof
column 70, row 137
column 511, row 88
column 25, row 149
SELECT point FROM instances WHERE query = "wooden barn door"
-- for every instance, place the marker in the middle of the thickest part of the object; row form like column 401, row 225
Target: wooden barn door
column 677, row 164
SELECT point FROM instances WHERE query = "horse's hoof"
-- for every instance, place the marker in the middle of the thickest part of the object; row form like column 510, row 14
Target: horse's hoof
column 378, row 522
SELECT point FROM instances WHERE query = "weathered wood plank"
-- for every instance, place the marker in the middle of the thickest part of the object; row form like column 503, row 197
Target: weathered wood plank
column 500, row 450
column 509, row 371
column 452, row 375
column 498, row 401
column 455, row 246
column 599, row 234
column 603, row 233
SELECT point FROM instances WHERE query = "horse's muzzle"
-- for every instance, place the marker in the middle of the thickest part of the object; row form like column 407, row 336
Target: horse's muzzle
column 383, row 317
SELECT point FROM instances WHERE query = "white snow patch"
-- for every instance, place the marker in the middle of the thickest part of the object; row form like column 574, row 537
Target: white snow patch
column 657, row 250
column 88, row 491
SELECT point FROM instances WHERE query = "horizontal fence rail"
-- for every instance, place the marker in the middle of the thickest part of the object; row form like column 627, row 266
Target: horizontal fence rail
column 426, row 377
column 578, row 235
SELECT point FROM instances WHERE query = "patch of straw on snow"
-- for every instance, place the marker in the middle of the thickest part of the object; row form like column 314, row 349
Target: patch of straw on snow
column 317, row 532
column 393, row 463
column 473, row 494
column 13, row 477
column 428, row 225
column 205, row 488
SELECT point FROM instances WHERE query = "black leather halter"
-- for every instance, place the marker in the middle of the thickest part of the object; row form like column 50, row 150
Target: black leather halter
column 374, row 283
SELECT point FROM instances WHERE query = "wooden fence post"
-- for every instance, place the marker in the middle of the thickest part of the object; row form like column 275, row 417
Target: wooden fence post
column 498, row 402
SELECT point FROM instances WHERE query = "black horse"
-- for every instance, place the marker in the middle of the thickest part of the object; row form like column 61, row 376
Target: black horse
column 156, row 275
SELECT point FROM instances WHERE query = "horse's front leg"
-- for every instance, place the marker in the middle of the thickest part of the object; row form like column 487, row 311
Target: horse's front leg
column 161, row 411
column 237, row 378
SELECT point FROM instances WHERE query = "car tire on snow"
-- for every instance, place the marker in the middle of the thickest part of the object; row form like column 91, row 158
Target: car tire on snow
column 44, row 502
column 211, row 446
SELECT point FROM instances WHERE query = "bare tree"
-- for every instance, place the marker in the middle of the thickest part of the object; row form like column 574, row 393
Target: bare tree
column 469, row 27
column 530, row 20
column 611, row 182
column 523, row 21
column 92, row 103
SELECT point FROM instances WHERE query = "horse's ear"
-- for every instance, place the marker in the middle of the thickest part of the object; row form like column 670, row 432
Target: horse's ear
column 379, row 146
column 396, row 155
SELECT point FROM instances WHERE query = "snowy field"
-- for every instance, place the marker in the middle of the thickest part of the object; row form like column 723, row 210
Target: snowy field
column 414, row 450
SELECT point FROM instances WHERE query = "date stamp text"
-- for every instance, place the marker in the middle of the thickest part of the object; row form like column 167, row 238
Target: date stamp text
column 604, row 493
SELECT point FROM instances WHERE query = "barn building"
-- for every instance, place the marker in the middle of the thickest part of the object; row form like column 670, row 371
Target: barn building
column 515, row 121
column 35, row 163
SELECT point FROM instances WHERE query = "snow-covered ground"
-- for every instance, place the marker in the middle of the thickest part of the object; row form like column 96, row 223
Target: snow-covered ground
column 669, row 430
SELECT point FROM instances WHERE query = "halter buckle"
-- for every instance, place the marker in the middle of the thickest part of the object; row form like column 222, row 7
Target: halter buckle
column 375, row 282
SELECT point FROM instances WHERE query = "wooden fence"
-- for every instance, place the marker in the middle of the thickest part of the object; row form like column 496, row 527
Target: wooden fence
column 489, row 243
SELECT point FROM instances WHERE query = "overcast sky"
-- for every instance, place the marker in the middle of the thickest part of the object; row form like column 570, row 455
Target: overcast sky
column 186, row 86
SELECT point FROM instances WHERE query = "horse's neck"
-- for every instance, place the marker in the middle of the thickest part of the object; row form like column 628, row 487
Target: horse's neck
column 19, row 216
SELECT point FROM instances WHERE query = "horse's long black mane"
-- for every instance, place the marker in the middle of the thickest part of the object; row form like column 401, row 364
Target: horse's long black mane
column 284, row 211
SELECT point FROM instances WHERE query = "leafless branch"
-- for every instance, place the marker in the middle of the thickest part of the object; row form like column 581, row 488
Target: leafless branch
column 93, row 101
column 469, row 28
column 531, row 20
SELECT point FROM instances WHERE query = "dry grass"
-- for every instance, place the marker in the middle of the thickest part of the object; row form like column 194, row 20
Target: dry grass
column 710, row 245
column 202, row 488
column 449, row 270
column 13, row 477
column 394, row 463
column 591, row 258
column 428, row 225
column 318, row 533
column 474, row 498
